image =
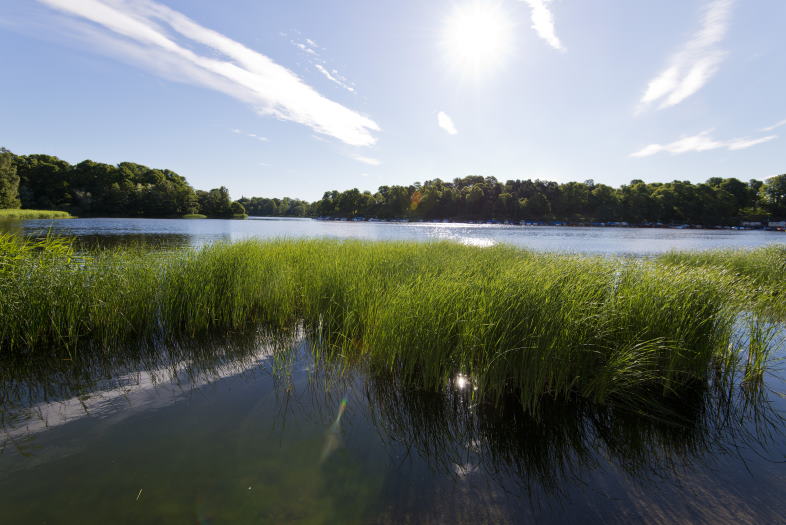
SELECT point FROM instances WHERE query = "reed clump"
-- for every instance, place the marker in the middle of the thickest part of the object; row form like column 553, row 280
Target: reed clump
column 512, row 321
column 34, row 214
column 765, row 265
column 763, row 271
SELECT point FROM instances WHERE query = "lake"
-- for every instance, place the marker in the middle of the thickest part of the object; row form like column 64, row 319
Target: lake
column 252, row 429
column 227, row 434
column 590, row 240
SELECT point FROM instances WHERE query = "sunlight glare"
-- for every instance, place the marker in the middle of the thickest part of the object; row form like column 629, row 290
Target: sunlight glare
column 477, row 36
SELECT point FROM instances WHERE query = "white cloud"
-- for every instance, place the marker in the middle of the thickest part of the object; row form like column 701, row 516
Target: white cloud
column 252, row 135
column 317, row 61
column 366, row 160
column 693, row 66
column 774, row 126
column 446, row 123
column 543, row 22
column 144, row 32
column 303, row 47
column 701, row 142
column 340, row 81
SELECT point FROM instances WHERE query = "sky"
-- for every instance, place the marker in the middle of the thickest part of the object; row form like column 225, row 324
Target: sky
column 297, row 97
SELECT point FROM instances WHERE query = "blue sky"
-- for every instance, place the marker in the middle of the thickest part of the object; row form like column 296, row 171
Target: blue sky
column 292, row 98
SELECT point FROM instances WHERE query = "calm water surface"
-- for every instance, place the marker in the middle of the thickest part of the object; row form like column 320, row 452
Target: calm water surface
column 223, row 432
column 628, row 241
column 234, row 436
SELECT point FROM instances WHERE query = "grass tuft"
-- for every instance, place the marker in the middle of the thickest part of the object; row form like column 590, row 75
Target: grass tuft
column 34, row 214
column 761, row 273
column 511, row 321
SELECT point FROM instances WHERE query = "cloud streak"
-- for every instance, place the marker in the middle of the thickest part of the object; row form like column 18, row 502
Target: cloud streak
column 335, row 79
column 252, row 135
column 446, row 123
column 774, row 126
column 163, row 40
column 543, row 22
column 701, row 142
column 366, row 160
column 311, row 48
column 691, row 68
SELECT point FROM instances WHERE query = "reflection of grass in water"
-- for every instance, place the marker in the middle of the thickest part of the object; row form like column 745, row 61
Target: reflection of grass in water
column 39, row 391
column 565, row 441
column 199, row 462
column 514, row 321
column 195, row 462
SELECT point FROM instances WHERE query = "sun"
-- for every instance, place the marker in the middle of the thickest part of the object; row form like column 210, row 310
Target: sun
column 477, row 36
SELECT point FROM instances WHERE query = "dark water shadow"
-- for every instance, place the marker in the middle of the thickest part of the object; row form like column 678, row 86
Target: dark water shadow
column 395, row 453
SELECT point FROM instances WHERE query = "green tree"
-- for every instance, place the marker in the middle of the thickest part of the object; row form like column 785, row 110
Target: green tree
column 774, row 196
column 537, row 207
column 237, row 208
column 9, row 181
column 215, row 203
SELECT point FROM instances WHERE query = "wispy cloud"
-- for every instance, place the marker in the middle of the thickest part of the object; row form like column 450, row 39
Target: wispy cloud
column 252, row 135
column 701, row 142
column 147, row 33
column 315, row 58
column 693, row 66
column 543, row 22
column 366, row 160
column 337, row 79
column 774, row 126
column 305, row 48
column 446, row 123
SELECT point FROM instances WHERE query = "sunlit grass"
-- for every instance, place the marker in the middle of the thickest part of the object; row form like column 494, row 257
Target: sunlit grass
column 511, row 321
column 33, row 214
column 765, row 266
column 763, row 270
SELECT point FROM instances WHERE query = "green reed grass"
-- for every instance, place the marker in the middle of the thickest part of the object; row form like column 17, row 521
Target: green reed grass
column 511, row 320
column 764, row 270
column 765, row 265
column 33, row 214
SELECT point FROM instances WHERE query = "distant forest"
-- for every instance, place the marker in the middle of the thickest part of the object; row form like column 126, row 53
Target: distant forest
column 45, row 182
column 718, row 201
column 133, row 190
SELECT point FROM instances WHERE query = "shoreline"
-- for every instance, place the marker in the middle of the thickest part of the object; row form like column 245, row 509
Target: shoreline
column 568, row 224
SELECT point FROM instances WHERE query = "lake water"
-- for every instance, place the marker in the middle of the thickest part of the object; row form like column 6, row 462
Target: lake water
column 224, row 432
column 234, row 436
column 590, row 240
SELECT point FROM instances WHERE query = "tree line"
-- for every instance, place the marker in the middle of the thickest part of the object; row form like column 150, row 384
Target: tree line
column 133, row 190
column 717, row 201
column 90, row 188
